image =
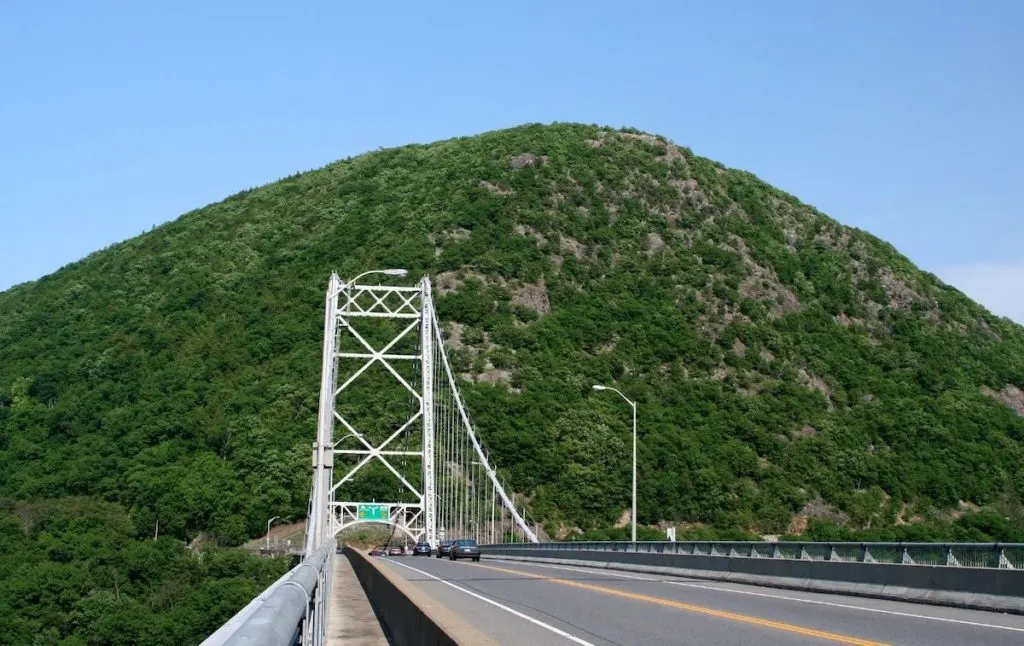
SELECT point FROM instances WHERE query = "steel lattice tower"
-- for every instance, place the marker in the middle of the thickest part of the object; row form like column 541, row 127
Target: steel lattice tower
column 447, row 434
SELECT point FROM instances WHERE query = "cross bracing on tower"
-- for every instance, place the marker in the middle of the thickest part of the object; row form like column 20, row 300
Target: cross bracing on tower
column 395, row 443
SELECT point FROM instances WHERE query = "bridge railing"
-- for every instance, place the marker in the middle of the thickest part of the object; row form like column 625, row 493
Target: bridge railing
column 290, row 611
column 976, row 555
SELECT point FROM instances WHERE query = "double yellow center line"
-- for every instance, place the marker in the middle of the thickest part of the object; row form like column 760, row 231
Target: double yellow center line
column 689, row 607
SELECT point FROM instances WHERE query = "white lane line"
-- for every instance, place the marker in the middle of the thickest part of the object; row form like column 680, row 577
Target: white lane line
column 557, row 631
column 780, row 597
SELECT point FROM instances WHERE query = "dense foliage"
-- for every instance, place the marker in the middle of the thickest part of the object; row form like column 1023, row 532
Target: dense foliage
column 792, row 374
column 75, row 573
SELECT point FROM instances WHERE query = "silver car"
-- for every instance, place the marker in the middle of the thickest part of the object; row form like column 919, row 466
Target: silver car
column 464, row 548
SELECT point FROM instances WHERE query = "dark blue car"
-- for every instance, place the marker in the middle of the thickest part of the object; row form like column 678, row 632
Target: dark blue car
column 421, row 549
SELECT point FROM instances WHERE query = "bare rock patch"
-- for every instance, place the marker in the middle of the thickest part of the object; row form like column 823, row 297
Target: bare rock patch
column 812, row 381
column 526, row 160
column 572, row 246
column 1010, row 396
column 739, row 347
column 532, row 296
column 654, row 243
column 495, row 188
column 530, row 232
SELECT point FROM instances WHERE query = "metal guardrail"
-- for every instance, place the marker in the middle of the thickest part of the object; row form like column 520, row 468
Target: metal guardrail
column 976, row 555
column 289, row 612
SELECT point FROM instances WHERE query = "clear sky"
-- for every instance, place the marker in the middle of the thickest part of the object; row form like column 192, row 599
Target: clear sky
column 903, row 118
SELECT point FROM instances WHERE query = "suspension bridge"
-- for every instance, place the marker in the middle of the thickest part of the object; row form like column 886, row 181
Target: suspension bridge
column 458, row 492
column 396, row 446
column 384, row 348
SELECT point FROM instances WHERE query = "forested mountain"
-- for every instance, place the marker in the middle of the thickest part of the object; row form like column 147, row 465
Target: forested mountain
column 791, row 372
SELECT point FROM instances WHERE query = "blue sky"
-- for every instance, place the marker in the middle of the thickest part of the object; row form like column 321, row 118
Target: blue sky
column 902, row 118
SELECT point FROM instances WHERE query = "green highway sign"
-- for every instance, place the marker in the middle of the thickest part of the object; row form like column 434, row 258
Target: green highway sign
column 373, row 512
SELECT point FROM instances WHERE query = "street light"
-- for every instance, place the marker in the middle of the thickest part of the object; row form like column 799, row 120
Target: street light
column 268, row 530
column 633, row 404
column 386, row 272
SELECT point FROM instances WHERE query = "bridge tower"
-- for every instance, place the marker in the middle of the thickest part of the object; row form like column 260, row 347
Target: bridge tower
column 409, row 345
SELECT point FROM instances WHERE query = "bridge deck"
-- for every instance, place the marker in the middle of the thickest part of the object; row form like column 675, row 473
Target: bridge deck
column 518, row 603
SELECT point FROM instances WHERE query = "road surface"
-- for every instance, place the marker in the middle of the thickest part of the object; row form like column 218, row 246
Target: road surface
column 539, row 604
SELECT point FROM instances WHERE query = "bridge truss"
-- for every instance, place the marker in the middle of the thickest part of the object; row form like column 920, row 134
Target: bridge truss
column 390, row 402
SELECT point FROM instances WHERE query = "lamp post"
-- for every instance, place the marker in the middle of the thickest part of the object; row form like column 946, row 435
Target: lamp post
column 633, row 405
column 386, row 272
column 268, row 530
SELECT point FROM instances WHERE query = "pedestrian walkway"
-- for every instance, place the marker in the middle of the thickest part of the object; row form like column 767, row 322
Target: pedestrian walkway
column 352, row 621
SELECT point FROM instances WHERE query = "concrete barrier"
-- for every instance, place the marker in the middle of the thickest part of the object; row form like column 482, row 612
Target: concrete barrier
column 1000, row 590
column 409, row 615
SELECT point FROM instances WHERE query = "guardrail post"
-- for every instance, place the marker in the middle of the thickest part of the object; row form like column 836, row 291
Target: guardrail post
column 906, row 557
column 951, row 558
column 1004, row 563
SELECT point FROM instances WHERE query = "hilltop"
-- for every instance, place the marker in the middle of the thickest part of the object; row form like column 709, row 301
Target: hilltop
column 788, row 369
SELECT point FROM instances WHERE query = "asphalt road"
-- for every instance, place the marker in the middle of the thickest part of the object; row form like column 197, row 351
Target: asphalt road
column 538, row 604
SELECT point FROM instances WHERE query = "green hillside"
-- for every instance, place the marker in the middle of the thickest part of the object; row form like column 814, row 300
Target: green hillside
column 792, row 374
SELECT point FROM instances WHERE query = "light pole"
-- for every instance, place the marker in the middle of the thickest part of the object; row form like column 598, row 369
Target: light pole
column 386, row 272
column 633, row 405
column 268, row 530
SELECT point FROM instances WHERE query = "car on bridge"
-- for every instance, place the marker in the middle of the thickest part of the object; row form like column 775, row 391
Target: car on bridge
column 397, row 550
column 378, row 551
column 444, row 548
column 422, row 549
column 465, row 548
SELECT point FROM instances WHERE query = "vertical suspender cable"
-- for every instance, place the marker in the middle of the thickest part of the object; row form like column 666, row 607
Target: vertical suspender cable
column 459, row 495
column 464, row 492
column 439, row 467
column 477, row 488
column 451, row 460
column 438, row 439
column 468, row 471
column 446, row 459
column 449, row 431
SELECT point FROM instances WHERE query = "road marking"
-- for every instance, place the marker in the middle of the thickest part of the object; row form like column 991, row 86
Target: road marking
column 782, row 597
column 747, row 619
column 833, row 604
column 557, row 631
column 581, row 570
